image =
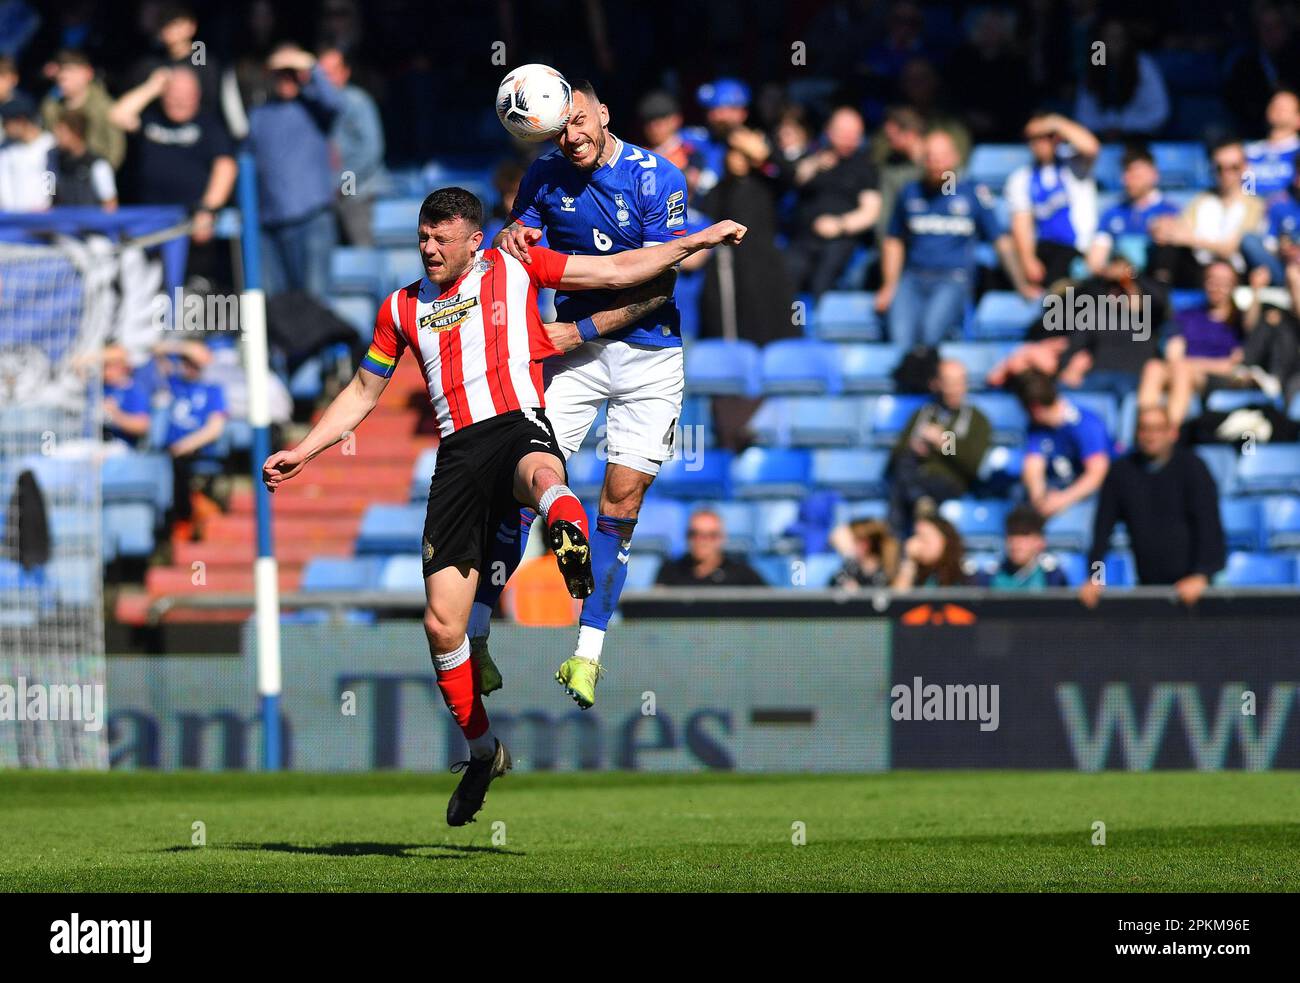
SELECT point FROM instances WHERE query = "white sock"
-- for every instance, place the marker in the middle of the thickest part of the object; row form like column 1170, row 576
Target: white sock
column 548, row 498
column 480, row 620
column 446, row 661
column 590, row 643
column 483, row 746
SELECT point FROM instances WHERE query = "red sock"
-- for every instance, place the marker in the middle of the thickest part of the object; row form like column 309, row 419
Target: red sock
column 566, row 506
column 463, row 694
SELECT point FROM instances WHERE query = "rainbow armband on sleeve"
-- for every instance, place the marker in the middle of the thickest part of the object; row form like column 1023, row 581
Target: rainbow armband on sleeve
column 377, row 362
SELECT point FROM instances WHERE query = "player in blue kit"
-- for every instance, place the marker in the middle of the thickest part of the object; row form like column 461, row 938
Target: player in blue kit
column 595, row 194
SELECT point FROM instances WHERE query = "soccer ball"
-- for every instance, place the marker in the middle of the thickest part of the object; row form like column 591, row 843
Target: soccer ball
column 534, row 102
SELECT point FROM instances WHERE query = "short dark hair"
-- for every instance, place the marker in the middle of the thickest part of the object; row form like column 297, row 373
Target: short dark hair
column 76, row 121
column 447, row 204
column 1035, row 389
column 586, row 88
column 1024, row 520
column 1135, row 151
column 1228, row 141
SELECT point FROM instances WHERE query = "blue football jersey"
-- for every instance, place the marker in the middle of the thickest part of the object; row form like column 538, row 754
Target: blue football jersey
column 635, row 199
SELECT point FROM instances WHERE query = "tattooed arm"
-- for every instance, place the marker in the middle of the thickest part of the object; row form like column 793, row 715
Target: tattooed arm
column 627, row 307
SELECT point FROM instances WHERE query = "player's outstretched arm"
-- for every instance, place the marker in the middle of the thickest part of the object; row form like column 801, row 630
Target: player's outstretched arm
column 352, row 405
column 635, row 266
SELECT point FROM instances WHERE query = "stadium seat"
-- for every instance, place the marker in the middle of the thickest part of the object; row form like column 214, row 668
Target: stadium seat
column 1006, row 416
column 889, row 414
column 598, row 429
column 1272, row 468
column 863, row 508
column 852, row 473
column 837, row 421
column 846, row 315
column 992, row 163
column 868, row 368
column 1257, row 570
column 1000, row 469
column 1004, row 314
column 402, row 574
column 1182, row 165
column 761, row 472
column 341, row 573
column 1119, row 569
column 982, row 524
column 697, row 421
column 1186, row 300
column 1101, row 403
column 1071, row 529
column 717, row 367
column 359, row 270
column 422, row 472
column 391, row 529
column 799, row 366
column 130, row 528
column 777, row 571
column 1241, row 522
column 660, row 528
column 394, row 222
column 642, row 568
column 1222, row 463
column 401, row 266
column 1227, row 400
column 770, row 424
column 979, row 357
column 704, row 475
column 1281, row 523
column 818, row 570
column 357, row 311
column 133, row 477
column 771, row 521
column 586, row 474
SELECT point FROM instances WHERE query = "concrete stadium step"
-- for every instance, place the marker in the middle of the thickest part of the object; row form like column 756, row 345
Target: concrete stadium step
column 231, row 552
column 133, row 609
column 241, row 528
column 180, row 580
column 324, row 505
column 345, row 478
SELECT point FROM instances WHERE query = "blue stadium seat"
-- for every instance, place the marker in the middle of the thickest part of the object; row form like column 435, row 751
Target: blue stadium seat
column 307, row 381
column 982, row 523
column 240, row 434
column 818, row 569
column 846, row 315
column 401, row 266
column 1109, row 171
column 799, row 366
column 357, row 311
column 1272, row 468
column 394, row 222
column 130, row 528
column 389, row 529
column 862, row 508
column 717, row 367
column 1241, row 522
column 852, row 473
column 1182, row 165
column 739, row 519
column 1186, row 300
column 586, row 474
column 1222, row 463
column 359, row 270
column 402, row 574
column 598, row 430
column 868, row 368
column 979, row 357
column 687, row 293
column 697, row 421
column 1006, row 416
column 1001, row 464
column 1004, row 314
column 705, row 475
column 422, row 474
column 1071, row 529
column 76, row 582
column 776, row 570
column 1281, row 522
column 642, row 568
column 770, row 424
column 992, row 163
column 889, row 414
column 836, row 421
column 1227, row 400
column 1119, row 569
column 660, row 527
column 772, row 519
column 1258, row 570
column 761, row 472
column 134, row 477
column 1101, row 403
column 341, row 573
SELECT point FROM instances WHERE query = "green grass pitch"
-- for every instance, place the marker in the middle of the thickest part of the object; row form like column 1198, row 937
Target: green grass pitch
column 908, row 831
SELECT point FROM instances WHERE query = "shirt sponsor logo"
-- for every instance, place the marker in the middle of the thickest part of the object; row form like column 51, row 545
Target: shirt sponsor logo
column 448, row 313
column 566, row 203
column 676, row 208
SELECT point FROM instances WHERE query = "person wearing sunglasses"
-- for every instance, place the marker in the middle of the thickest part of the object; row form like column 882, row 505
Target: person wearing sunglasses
column 706, row 562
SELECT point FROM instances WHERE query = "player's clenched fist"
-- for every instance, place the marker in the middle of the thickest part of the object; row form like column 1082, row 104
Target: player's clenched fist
column 516, row 240
column 726, row 231
column 281, row 467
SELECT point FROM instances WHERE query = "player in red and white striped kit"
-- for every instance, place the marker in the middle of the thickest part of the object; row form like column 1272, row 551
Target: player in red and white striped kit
column 473, row 324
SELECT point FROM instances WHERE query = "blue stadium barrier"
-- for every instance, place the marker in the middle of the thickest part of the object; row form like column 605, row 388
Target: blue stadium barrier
column 129, row 526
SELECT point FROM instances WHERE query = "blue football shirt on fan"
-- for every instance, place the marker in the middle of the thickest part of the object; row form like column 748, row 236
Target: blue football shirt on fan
column 1079, row 437
column 1284, row 218
column 940, row 231
column 635, row 199
column 1131, row 218
column 193, row 404
column 1272, row 164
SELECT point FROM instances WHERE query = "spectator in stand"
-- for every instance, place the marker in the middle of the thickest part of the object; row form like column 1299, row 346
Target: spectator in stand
column 289, row 139
column 24, row 158
column 933, row 556
column 80, row 177
column 938, row 453
column 726, row 106
column 175, row 47
column 661, row 121
column 180, row 155
column 358, row 136
column 1067, row 449
column 8, row 79
column 792, row 133
column 77, row 88
column 1270, row 352
column 706, row 562
column 1026, row 564
column 994, row 88
column 1166, row 498
column 1279, row 248
column 505, row 180
column 927, row 259
column 1124, row 94
column 869, row 551
column 1053, row 201
column 1272, row 59
column 1271, row 161
column 1214, row 223
column 1125, row 227
column 1208, row 342
column 196, row 419
column 127, row 401
column 838, row 204
column 897, row 151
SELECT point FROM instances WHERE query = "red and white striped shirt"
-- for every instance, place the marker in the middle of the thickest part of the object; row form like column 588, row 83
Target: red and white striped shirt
column 480, row 342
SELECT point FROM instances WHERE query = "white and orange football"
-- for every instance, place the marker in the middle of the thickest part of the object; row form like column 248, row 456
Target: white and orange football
column 534, row 102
